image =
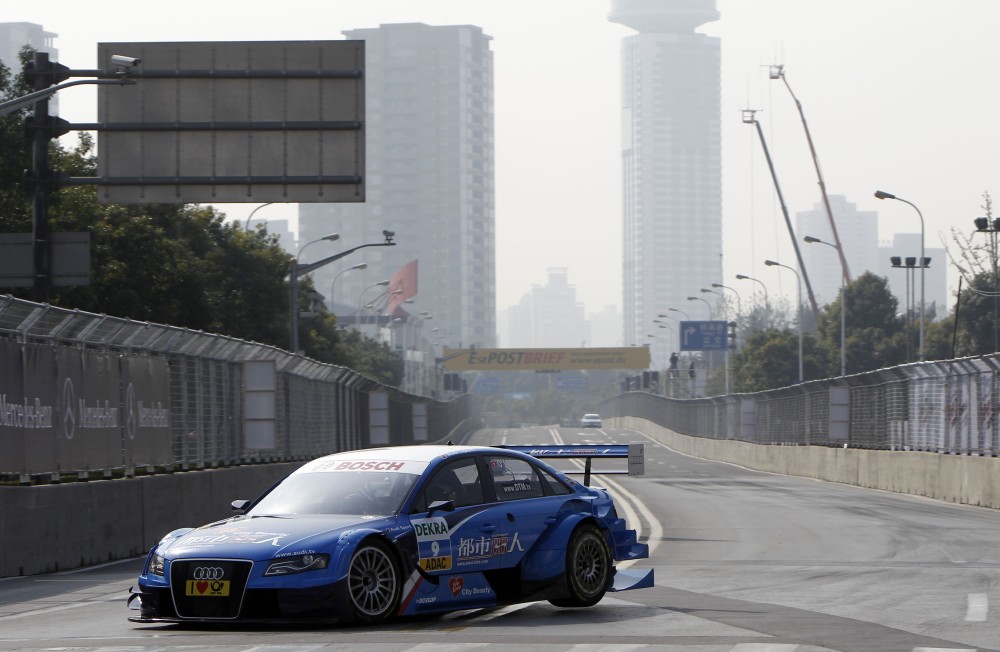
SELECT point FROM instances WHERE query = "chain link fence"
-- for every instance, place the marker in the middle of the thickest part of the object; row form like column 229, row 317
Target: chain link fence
column 943, row 407
column 92, row 395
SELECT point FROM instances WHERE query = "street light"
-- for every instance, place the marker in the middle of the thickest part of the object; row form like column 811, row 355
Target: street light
column 798, row 282
column 333, row 283
column 843, row 300
column 726, row 355
column 250, row 216
column 362, row 306
column 295, row 270
column 880, row 194
column 680, row 311
column 705, row 301
column 739, row 300
column 767, row 304
column 992, row 227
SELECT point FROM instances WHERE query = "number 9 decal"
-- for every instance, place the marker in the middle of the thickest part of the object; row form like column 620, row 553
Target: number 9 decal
column 435, row 548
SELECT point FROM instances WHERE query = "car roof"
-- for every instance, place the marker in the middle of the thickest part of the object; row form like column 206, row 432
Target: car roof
column 421, row 454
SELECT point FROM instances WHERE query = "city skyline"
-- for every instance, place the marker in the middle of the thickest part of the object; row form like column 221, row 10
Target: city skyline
column 902, row 108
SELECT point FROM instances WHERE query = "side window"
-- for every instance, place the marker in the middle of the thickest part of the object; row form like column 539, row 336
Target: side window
column 513, row 479
column 457, row 480
column 556, row 487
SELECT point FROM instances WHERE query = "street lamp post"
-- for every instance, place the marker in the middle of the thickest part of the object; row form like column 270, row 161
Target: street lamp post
column 705, row 301
column 295, row 270
column 293, row 288
column 798, row 282
column 250, row 216
column 725, row 357
column 908, row 265
column 333, row 283
column 739, row 300
column 992, row 227
column 880, row 194
column 843, row 300
column 767, row 303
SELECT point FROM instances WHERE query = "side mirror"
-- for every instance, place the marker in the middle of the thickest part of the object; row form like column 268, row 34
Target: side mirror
column 240, row 505
column 442, row 505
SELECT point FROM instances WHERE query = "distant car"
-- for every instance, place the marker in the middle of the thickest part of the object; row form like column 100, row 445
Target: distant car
column 370, row 534
column 590, row 421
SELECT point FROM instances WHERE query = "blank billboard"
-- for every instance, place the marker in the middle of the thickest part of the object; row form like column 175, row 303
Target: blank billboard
column 217, row 122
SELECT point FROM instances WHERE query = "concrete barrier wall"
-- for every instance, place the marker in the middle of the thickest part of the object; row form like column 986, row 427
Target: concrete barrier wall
column 961, row 479
column 57, row 527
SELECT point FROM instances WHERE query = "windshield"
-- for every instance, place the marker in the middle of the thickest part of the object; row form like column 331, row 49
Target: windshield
column 345, row 492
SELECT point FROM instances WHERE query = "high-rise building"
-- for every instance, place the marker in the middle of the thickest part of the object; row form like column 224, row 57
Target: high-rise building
column 429, row 129
column 549, row 316
column 671, row 161
column 858, row 231
column 14, row 36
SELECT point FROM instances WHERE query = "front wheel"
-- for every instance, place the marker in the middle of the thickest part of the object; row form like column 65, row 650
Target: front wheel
column 588, row 568
column 373, row 582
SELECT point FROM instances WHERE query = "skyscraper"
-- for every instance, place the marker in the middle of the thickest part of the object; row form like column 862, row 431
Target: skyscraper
column 430, row 178
column 671, row 160
column 14, row 36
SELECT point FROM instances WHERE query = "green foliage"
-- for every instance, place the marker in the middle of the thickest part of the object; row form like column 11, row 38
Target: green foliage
column 770, row 359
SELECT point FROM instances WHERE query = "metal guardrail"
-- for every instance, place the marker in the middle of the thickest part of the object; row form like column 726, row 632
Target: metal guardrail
column 947, row 406
column 91, row 395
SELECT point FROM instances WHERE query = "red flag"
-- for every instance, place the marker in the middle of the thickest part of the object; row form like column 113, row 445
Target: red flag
column 402, row 286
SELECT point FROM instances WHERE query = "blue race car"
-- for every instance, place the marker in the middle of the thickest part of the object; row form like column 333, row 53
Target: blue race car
column 366, row 535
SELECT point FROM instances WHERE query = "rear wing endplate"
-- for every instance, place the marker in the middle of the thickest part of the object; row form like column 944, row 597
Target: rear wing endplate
column 635, row 453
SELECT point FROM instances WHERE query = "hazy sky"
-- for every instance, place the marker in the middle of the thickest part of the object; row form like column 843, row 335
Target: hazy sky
column 900, row 95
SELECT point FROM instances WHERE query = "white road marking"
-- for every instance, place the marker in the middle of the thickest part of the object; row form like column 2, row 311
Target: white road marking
column 979, row 606
column 944, row 649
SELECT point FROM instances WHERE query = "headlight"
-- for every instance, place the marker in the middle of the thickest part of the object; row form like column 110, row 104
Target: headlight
column 297, row 564
column 156, row 564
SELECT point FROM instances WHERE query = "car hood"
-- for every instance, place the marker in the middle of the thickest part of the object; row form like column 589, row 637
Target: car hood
column 264, row 537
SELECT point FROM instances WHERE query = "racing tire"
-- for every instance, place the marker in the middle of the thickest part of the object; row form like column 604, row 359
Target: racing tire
column 374, row 584
column 588, row 568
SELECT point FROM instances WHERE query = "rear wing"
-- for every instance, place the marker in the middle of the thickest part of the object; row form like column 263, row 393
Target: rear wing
column 635, row 453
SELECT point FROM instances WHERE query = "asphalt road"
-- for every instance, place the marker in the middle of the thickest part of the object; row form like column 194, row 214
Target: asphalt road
column 745, row 562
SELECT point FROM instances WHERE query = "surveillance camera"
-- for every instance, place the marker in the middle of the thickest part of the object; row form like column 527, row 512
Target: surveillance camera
column 125, row 62
column 389, row 234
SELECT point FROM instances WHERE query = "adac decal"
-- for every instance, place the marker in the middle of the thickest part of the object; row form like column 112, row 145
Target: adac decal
column 431, row 564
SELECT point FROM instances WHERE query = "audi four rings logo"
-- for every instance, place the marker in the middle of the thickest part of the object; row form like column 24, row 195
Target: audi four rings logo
column 208, row 573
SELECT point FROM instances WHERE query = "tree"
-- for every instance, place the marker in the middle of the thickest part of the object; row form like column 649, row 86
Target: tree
column 770, row 359
column 875, row 332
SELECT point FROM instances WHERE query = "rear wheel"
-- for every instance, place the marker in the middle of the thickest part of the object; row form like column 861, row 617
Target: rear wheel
column 588, row 568
column 373, row 582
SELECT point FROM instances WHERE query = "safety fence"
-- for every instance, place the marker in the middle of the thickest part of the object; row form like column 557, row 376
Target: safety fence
column 943, row 407
column 92, row 395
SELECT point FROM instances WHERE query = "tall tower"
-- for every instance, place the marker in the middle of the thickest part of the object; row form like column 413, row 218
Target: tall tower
column 430, row 178
column 671, row 163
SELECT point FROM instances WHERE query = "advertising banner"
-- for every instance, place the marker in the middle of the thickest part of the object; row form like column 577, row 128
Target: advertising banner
column 631, row 357
column 39, row 411
column 146, row 417
column 12, row 406
column 89, row 421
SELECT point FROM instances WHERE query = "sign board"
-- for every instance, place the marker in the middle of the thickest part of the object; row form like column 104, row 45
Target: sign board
column 631, row 357
column 70, row 259
column 703, row 336
column 217, row 122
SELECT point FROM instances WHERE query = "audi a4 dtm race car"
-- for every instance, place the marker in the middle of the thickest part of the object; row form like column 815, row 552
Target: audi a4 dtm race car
column 366, row 535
